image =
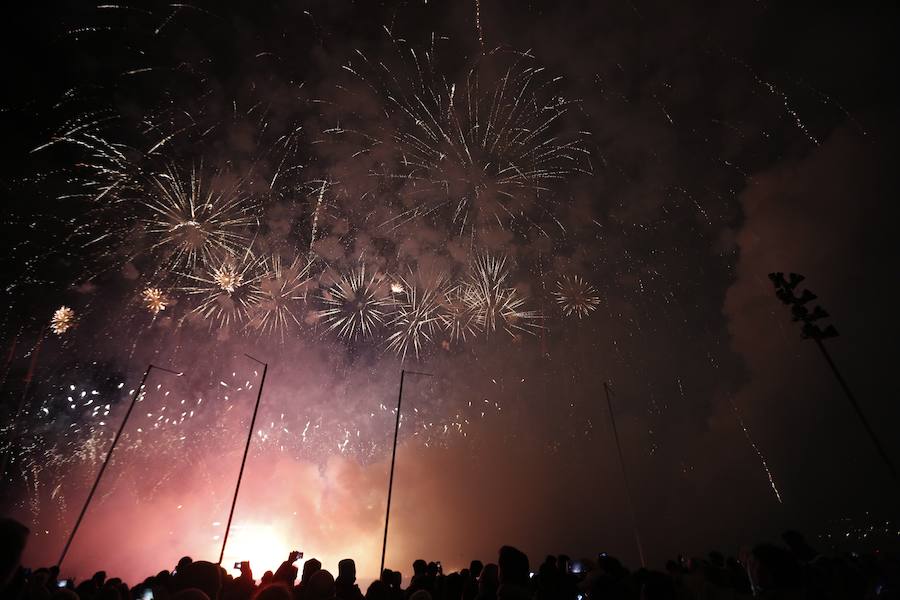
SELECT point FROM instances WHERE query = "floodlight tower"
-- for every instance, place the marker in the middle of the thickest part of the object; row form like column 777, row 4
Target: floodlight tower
column 784, row 290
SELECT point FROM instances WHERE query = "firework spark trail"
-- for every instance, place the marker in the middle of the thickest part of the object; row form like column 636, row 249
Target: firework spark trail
column 279, row 293
column 356, row 306
column 416, row 316
column 228, row 291
column 575, row 296
column 485, row 155
column 756, row 449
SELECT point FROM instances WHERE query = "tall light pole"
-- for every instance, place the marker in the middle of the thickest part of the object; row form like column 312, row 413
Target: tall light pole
column 784, row 290
column 134, row 396
column 634, row 526
column 237, row 487
column 387, row 516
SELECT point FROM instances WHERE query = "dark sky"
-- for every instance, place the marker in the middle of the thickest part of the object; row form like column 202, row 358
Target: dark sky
column 723, row 142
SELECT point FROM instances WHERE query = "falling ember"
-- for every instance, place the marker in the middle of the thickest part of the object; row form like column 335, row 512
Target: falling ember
column 155, row 300
column 759, row 454
column 576, row 297
column 63, row 320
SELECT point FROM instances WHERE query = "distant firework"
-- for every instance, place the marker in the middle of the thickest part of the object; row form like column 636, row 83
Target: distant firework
column 63, row 319
column 155, row 300
column 576, row 297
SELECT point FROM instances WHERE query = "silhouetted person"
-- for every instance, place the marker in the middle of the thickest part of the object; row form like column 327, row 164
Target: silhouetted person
column 513, row 575
column 419, row 579
column 488, row 582
column 378, row 590
column 345, row 585
column 287, row 572
column 310, row 568
column 202, row 575
column 470, row 585
column 321, row 586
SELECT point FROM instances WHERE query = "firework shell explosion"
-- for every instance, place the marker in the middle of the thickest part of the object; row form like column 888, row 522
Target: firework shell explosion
column 487, row 151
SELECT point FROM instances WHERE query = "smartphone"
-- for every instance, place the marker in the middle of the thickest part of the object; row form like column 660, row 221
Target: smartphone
column 61, row 584
column 237, row 565
column 148, row 594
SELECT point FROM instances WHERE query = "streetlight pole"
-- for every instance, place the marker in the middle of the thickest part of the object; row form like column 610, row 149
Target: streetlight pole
column 134, row 397
column 637, row 535
column 784, row 290
column 237, row 487
column 387, row 516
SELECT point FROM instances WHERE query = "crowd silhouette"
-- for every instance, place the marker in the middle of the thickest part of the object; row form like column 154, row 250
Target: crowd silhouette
column 789, row 570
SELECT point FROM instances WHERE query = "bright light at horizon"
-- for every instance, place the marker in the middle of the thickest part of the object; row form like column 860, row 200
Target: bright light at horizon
column 264, row 545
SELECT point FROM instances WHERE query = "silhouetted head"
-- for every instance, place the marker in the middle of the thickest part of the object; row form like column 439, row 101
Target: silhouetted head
column 490, row 578
column 396, row 579
column 267, row 577
column 321, row 586
column 419, row 567
column 202, row 575
column 183, row 562
column 386, row 576
column 420, row 595
column 310, row 568
column 347, row 571
column 378, row 590
column 513, row 566
column 432, row 569
column 475, row 568
column 274, row 591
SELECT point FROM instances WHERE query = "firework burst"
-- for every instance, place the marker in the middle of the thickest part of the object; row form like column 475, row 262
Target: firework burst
column 417, row 315
column 63, row 319
column 498, row 304
column 228, row 291
column 155, row 300
column 487, row 151
column 576, row 297
column 356, row 305
column 193, row 221
column 461, row 317
column 279, row 295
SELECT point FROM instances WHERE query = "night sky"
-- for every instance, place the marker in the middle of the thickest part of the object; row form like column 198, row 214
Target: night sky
column 664, row 157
